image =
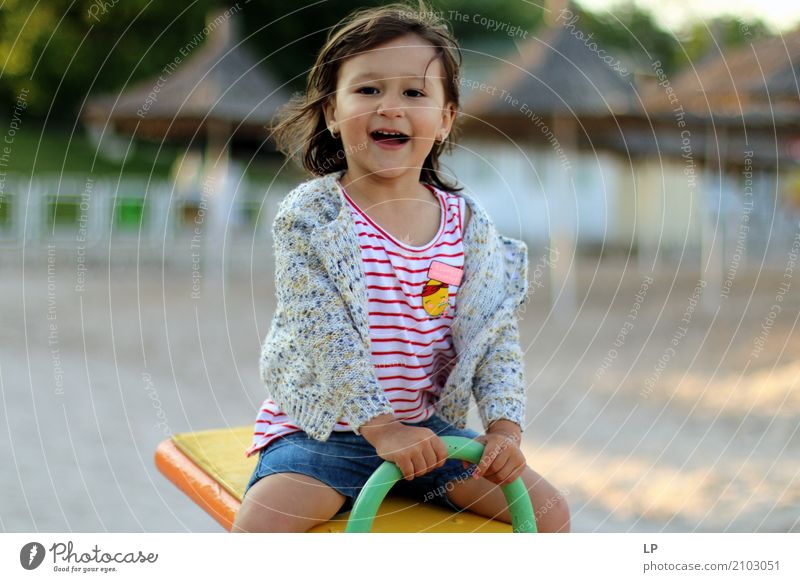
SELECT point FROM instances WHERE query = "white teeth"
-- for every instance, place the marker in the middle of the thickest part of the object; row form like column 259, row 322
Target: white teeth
column 388, row 132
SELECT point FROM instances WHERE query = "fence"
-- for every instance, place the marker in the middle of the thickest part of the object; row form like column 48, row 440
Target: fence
column 104, row 218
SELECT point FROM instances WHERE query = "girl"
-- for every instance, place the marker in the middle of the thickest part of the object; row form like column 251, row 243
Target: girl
column 396, row 296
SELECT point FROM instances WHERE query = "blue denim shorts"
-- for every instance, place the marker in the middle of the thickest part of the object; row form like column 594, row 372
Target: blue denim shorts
column 346, row 460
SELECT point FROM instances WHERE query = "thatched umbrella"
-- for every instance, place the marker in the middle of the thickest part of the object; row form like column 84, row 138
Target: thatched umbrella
column 741, row 107
column 557, row 88
column 556, row 74
column 756, row 83
column 732, row 100
column 219, row 82
column 212, row 89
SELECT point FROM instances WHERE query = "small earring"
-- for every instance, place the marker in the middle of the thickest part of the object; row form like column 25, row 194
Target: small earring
column 334, row 133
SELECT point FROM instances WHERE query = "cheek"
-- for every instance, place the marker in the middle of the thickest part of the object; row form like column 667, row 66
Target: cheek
column 428, row 123
column 353, row 119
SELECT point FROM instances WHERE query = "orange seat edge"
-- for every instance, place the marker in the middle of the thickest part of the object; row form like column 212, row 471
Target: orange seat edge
column 196, row 483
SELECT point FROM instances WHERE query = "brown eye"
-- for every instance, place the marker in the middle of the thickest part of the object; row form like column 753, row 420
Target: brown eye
column 362, row 89
column 416, row 93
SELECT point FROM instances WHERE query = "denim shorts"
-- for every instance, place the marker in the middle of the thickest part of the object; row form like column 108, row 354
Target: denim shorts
column 346, row 460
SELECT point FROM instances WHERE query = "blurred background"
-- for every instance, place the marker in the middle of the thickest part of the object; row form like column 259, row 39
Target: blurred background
column 648, row 153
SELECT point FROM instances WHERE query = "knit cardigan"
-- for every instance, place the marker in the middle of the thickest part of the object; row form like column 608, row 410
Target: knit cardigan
column 315, row 359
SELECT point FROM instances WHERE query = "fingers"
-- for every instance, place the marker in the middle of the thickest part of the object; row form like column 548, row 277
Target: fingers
column 515, row 474
column 418, row 453
column 429, row 461
column 498, row 465
column 406, row 468
column 441, row 451
column 502, row 469
column 424, row 460
column 506, row 473
column 421, row 462
column 498, row 462
column 502, row 461
column 480, row 469
column 489, row 463
column 435, row 455
column 481, row 439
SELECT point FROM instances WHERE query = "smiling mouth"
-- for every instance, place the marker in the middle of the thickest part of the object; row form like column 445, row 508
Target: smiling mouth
column 389, row 138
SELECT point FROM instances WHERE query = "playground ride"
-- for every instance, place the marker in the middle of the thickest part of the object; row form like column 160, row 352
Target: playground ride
column 209, row 467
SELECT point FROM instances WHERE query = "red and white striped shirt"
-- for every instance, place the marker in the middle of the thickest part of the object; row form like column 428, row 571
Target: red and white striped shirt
column 410, row 312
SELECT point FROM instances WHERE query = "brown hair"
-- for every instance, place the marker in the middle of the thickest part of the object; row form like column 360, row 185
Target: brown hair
column 301, row 130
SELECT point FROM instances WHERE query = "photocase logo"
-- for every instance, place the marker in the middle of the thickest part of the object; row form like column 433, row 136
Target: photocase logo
column 31, row 555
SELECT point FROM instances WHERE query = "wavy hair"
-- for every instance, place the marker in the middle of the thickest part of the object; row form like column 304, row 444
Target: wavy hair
column 300, row 131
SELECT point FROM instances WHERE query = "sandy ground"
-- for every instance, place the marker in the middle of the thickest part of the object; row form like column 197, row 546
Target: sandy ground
column 93, row 379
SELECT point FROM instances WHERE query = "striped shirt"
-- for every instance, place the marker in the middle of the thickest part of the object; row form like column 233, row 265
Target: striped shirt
column 410, row 312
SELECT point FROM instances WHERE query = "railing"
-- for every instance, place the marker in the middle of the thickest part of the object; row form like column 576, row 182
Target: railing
column 96, row 214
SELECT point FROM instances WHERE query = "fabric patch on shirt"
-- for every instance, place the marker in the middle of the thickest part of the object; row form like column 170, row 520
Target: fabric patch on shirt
column 436, row 291
column 445, row 273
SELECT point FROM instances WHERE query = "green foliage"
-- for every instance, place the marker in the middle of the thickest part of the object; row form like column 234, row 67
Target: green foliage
column 56, row 150
column 703, row 39
column 63, row 49
column 632, row 32
column 279, row 29
column 636, row 33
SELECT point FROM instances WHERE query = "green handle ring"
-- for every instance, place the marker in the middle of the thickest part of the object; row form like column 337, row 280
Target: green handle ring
column 385, row 476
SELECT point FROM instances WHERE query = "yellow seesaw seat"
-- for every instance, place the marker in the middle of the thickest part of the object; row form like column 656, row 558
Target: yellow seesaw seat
column 210, row 467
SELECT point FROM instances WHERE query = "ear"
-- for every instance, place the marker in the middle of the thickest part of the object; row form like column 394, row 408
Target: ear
column 448, row 118
column 329, row 111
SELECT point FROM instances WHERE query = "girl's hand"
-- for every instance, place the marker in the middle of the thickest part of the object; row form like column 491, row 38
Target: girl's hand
column 415, row 450
column 502, row 461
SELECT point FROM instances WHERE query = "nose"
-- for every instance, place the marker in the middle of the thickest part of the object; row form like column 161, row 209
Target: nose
column 389, row 106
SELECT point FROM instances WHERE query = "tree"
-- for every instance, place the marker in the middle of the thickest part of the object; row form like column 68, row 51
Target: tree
column 702, row 39
column 59, row 49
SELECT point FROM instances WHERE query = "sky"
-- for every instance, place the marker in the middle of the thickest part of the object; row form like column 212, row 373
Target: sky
column 783, row 15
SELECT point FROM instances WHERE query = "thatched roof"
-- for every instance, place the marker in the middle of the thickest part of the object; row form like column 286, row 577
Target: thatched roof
column 757, row 82
column 221, row 81
column 554, row 73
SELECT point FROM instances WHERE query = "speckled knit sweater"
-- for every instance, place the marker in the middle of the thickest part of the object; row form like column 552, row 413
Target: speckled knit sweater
column 315, row 360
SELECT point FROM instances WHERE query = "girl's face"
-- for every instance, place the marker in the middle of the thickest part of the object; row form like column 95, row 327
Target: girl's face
column 383, row 90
